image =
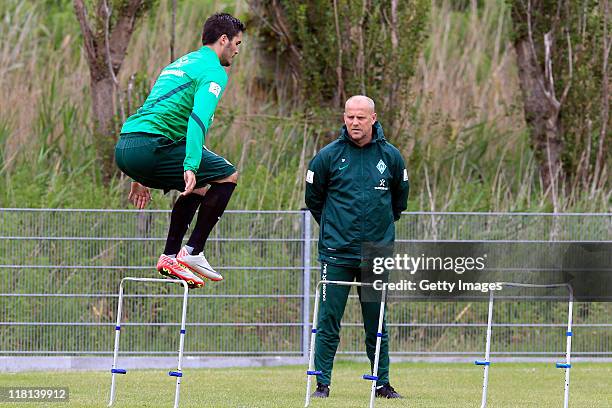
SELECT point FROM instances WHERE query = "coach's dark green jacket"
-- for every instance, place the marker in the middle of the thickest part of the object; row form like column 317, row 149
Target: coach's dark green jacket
column 355, row 194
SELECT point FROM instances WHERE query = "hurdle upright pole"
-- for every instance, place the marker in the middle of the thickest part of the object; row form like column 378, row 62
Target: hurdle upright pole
column 114, row 370
column 568, row 348
column 487, row 362
column 179, row 373
column 311, row 371
column 381, row 317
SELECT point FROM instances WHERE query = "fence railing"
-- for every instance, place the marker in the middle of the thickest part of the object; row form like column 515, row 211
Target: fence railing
column 60, row 272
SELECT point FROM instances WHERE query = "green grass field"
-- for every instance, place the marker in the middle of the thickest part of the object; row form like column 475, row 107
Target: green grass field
column 424, row 385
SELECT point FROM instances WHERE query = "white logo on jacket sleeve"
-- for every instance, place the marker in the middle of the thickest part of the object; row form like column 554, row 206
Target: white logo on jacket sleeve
column 214, row 89
column 405, row 175
column 310, row 176
column 175, row 72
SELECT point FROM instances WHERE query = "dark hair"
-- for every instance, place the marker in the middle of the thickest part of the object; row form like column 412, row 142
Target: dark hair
column 219, row 24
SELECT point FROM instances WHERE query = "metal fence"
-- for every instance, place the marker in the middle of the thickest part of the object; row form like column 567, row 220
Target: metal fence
column 60, row 271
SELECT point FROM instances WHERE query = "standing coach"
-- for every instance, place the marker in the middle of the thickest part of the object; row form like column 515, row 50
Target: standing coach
column 356, row 188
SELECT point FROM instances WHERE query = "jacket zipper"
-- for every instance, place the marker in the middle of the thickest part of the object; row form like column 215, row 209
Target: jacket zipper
column 363, row 201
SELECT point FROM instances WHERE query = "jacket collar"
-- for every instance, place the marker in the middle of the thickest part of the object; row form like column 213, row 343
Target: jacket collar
column 209, row 51
column 377, row 134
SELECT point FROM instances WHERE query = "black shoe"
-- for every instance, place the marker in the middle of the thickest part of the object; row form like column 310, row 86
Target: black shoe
column 387, row 391
column 322, row 391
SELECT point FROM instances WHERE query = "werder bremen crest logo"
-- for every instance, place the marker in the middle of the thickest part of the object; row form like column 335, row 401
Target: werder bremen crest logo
column 381, row 166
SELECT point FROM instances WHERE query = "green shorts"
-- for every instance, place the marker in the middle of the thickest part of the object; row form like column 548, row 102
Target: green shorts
column 157, row 162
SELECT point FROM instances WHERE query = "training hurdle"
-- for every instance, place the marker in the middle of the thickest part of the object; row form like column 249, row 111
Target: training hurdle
column 311, row 369
column 178, row 373
column 486, row 363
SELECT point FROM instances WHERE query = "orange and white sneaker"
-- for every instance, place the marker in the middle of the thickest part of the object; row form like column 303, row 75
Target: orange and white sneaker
column 170, row 268
column 198, row 264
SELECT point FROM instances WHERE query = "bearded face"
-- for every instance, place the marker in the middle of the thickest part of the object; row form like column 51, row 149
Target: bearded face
column 230, row 50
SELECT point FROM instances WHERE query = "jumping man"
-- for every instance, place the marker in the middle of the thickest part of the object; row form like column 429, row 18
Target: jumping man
column 162, row 147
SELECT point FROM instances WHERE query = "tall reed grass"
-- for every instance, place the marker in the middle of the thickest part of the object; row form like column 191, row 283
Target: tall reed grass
column 466, row 146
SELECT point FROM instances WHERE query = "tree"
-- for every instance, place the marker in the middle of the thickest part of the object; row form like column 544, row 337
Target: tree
column 562, row 50
column 106, row 36
column 330, row 50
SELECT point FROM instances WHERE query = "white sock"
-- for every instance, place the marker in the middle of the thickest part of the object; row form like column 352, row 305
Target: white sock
column 189, row 249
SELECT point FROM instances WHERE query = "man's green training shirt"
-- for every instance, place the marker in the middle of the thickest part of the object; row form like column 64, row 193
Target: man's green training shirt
column 182, row 103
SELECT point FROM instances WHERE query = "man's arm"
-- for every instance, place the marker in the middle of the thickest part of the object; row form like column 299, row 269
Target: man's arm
column 316, row 187
column 205, row 102
column 400, row 187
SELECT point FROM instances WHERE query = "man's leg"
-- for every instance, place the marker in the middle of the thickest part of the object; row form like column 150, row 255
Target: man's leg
column 331, row 309
column 182, row 213
column 215, row 180
column 370, row 312
column 213, row 205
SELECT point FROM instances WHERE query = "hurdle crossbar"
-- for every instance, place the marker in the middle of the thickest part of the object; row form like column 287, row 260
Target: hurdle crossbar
column 178, row 373
column 486, row 363
column 311, row 369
